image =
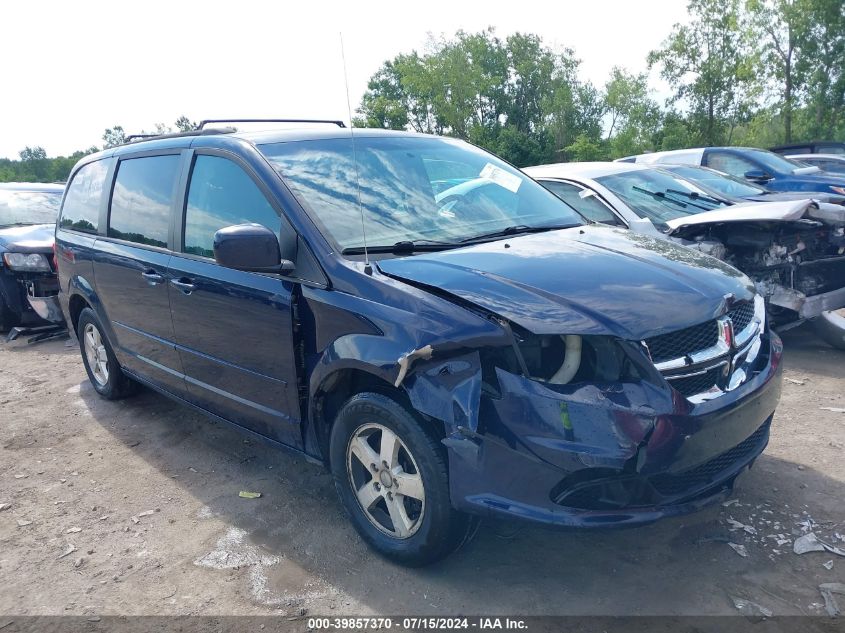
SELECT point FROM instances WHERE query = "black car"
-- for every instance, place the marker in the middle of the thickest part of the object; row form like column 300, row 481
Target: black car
column 813, row 147
column 447, row 350
column 28, row 285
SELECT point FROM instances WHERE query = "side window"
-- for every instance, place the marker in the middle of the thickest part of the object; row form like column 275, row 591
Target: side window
column 729, row 163
column 222, row 194
column 81, row 210
column 589, row 206
column 831, row 149
column 141, row 200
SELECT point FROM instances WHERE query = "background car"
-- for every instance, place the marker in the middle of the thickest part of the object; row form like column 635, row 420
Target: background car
column 792, row 250
column 760, row 166
column 734, row 190
column 28, row 285
column 815, row 147
column 834, row 163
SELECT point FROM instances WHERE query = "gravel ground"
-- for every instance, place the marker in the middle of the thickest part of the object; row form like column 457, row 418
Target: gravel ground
column 132, row 508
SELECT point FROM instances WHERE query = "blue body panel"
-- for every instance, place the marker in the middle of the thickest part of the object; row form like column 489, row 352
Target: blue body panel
column 261, row 350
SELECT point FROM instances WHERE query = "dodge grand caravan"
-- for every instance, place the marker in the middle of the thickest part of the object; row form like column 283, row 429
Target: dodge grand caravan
column 448, row 337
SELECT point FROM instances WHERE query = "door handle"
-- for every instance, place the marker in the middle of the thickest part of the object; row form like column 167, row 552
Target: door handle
column 152, row 277
column 184, row 285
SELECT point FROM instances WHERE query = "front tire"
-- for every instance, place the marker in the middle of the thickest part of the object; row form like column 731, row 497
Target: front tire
column 104, row 371
column 830, row 326
column 391, row 475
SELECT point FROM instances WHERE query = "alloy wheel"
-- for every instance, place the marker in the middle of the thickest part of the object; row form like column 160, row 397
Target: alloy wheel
column 95, row 352
column 386, row 480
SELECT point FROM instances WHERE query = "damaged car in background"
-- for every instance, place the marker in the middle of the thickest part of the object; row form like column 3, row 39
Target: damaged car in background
column 447, row 336
column 793, row 250
column 28, row 285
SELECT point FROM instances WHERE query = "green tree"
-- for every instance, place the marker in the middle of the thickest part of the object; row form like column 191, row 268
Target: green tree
column 632, row 116
column 114, row 136
column 184, row 124
column 782, row 26
column 32, row 153
column 711, row 64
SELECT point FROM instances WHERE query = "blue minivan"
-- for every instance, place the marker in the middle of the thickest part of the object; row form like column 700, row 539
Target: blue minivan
column 448, row 337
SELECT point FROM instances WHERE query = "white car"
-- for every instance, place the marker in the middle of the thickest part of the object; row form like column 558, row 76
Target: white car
column 794, row 250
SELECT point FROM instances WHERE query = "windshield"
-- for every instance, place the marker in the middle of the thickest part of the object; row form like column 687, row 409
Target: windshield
column 29, row 207
column 658, row 195
column 774, row 162
column 412, row 189
column 717, row 181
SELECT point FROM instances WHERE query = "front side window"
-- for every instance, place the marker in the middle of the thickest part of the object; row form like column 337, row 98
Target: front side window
column 584, row 201
column 28, row 207
column 730, row 163
column 142, row 198
column 221, row 194
column 81, row 210
column 418, row 189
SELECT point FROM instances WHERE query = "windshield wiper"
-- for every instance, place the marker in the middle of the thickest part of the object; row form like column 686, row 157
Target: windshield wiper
column 694, row 195
column 659, row 195
column 516, row 230
column 402, row 247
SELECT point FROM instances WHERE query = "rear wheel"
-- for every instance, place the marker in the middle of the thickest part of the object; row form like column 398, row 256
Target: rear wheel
column 104, row 371
column 391, row 475
column 830, row 326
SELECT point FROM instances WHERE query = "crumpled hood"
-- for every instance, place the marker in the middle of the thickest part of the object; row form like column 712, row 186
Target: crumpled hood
column 585, row 280
column 782, row 211
column 36, row 238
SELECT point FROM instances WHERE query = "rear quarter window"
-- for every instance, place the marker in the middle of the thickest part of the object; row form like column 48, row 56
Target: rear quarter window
column 81, row 210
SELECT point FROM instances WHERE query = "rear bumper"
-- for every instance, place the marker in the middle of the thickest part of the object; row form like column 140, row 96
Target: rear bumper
column 626, row 459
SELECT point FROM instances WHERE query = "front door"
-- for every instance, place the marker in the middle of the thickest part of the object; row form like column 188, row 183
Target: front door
column 130, row 269
column 233, row 328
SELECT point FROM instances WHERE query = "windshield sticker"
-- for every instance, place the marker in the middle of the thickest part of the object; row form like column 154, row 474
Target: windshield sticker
column 511, row 182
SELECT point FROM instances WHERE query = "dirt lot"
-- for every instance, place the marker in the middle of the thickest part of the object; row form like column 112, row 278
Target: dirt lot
column 132, row 508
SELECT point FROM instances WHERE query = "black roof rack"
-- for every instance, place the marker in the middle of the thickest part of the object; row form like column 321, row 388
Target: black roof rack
column 203, row 123
column 198, row 132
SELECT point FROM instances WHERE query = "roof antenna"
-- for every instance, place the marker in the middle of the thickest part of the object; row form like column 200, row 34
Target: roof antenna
column 367, row 267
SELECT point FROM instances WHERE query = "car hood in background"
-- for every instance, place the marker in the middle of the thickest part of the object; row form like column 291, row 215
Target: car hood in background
column 782, row 211
column 584, row 280
column 777, row 196
column 34, row 238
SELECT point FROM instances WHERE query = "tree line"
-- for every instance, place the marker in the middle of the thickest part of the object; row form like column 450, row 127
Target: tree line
column 35, row 166
column 741, row 72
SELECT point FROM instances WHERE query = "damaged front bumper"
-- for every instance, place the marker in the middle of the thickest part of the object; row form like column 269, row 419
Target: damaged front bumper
column 608, row 455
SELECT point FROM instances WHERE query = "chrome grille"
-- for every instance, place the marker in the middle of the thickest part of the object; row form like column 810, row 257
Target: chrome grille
column 683, row 342
column 692, row 385
column 741, row 316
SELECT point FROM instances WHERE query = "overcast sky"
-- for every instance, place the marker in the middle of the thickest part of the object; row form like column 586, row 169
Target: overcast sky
column 71, row 69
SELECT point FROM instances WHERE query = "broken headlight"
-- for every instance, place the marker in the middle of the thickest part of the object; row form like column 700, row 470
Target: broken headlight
column 561, row 360
column 31, row 262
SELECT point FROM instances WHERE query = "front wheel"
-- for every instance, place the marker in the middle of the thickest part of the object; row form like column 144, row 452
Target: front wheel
column 391, row 475
column 830, row 326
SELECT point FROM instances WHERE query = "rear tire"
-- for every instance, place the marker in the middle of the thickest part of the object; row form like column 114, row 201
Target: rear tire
column 416, row 528
column 104, row 371
column 830, row 326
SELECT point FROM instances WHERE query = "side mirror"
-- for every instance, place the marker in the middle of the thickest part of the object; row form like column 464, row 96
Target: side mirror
column 758, row 176
column 250, row 247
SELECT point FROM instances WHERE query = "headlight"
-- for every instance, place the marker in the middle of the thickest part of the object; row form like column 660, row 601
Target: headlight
column 560, row 360
column 33, row 262
column 839, row 190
